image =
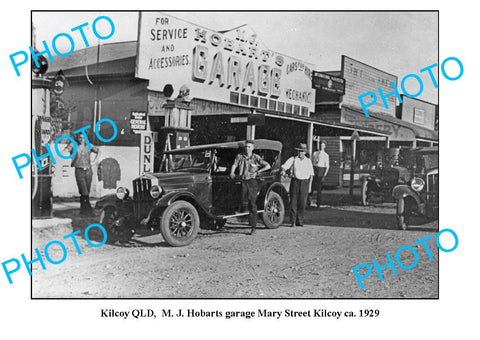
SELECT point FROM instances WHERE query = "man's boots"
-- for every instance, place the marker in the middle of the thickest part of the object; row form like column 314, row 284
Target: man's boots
column 85, row 207
column 82, row 205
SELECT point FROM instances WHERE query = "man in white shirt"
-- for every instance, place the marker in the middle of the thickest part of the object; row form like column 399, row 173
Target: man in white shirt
column 301, row 170
column 321, row 164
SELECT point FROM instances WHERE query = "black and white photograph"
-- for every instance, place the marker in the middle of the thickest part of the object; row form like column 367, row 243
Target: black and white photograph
column 184, row 167
column 220, row 167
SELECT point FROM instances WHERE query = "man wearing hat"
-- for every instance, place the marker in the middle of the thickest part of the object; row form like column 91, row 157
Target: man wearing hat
column 301, row 170
column 321, row 164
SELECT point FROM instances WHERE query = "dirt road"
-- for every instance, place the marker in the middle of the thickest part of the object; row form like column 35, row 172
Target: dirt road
column 314, row 261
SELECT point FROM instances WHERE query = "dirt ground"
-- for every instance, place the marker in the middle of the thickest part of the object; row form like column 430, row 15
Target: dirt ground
column 314, row 261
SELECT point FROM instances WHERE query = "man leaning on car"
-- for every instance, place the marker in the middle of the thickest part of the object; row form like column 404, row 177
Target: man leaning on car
column 249, row 164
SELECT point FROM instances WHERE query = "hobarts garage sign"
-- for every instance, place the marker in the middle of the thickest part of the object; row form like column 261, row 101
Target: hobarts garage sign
column 229, row 66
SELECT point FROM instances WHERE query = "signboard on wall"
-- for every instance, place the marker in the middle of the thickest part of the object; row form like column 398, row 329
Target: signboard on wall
column 147, row 148
column 418, row 116
column 361, row 78
column 328, row 83
column 138, row 121
column 228, row 67
column 395, row 132
column 419, row 112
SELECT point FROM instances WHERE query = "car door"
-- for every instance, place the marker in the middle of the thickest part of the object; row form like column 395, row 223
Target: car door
column 226, row 192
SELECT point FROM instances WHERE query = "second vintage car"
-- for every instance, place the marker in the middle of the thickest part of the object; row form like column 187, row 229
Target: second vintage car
column 378, row 185
column 193, row 191
column 419, row 195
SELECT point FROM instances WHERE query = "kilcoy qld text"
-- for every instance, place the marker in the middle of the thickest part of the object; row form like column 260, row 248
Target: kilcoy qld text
column 21, row 57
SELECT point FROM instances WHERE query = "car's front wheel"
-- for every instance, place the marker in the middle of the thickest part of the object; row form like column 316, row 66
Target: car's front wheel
column 365, row 192
column 180, row 224
column 403, row 214
column 274, row 211
column 118, row 229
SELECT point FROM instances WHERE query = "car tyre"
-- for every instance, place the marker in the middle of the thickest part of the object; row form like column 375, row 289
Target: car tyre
column 403, row 215
column 115, row 232
column 274, row 212
column 180, row 224
column 365, row 192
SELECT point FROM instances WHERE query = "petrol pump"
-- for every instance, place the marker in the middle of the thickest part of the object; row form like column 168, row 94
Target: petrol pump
column 41, row 135
column 178, row 119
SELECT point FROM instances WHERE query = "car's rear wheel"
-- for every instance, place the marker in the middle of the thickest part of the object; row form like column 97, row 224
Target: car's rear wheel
column 180, row 224
column 274, row 211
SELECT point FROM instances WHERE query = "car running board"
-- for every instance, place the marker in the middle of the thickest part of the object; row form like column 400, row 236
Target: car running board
column 238, row 215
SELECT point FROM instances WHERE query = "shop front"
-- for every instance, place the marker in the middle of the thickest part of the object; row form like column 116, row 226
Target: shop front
column 372, row 152
column 236, row 88
column 239, row 88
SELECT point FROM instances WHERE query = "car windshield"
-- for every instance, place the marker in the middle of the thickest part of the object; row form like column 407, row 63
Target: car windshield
column 428, row 161
column 194, row 161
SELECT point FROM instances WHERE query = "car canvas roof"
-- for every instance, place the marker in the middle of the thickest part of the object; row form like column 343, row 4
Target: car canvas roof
column 259, row 144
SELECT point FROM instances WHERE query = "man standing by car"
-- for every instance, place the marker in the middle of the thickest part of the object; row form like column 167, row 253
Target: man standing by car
column 249, row 164
column 301, row 170
column 321, row 164
column 83, row 171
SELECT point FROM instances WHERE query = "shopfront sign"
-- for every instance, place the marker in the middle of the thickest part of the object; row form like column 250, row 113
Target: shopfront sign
column 146, row 151
column 394, row 131
column 138, row 121
column 328, row 83
column 221, row 66
column 361, row 78
column 205, row 107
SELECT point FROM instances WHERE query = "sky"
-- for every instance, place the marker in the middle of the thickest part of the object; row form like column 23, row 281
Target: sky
column 399, row 43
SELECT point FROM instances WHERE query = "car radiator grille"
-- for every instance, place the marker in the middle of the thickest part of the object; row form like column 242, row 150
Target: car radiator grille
column 141, row 196
column 432, row 188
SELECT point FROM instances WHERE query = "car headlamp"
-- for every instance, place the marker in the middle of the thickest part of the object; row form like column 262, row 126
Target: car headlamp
column 417, row 184
column 122, row 193
column 156, row 191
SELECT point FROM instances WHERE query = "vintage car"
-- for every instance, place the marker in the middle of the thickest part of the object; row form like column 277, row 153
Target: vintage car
column 194, row 190
column 420, row 194
column 379, row 184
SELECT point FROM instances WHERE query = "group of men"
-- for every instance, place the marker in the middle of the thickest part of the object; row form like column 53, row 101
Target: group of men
column 248, row 164
column 299, row 167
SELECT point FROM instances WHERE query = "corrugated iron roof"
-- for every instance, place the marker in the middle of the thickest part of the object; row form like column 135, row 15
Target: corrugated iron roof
column 89, row 56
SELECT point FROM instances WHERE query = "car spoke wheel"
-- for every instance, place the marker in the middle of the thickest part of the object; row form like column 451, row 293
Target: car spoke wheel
column 274, row 211
column 180, row 224
column 117, row 229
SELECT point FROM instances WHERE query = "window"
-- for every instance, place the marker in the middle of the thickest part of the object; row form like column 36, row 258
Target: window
column 296, row 110
column 254, row 101
column 272, row 105
column 234, row 97
column 244, row 99
column 418, row 116
column 263, row 103
column 289, row 108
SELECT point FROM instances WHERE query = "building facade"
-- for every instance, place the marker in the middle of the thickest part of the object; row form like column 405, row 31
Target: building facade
column 238, row 88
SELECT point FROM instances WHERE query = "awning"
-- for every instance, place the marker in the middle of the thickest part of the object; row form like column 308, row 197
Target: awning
column 396, row 128
column 349, row 127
